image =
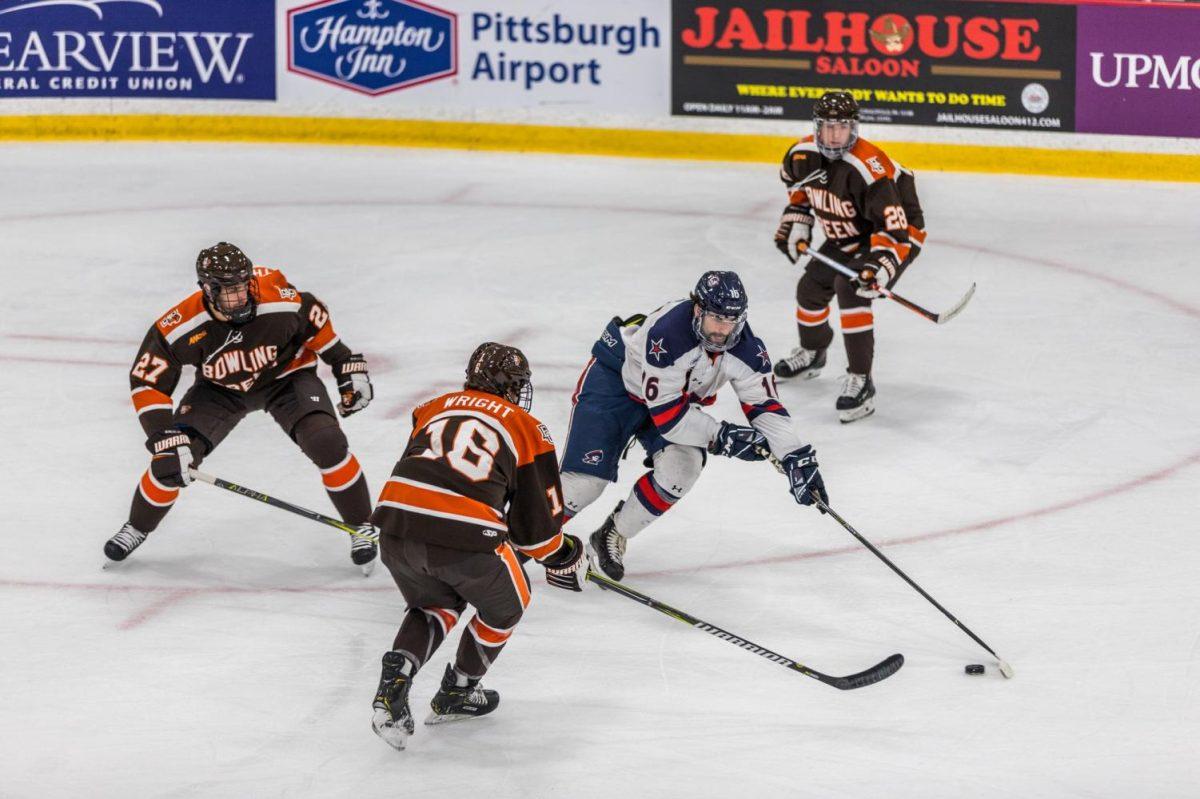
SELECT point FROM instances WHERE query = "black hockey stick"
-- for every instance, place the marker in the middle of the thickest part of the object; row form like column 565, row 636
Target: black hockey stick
column 880, row 671
column 937, row 318
column 279, row 503
column 1005, row 669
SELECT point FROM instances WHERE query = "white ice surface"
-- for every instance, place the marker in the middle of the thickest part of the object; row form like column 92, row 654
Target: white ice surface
column 1034, row 465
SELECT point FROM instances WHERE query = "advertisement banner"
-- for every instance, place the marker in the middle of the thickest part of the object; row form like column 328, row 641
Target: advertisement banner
column 916, row 62
column 472, row 54
column 181, row 49
column 1138, row 71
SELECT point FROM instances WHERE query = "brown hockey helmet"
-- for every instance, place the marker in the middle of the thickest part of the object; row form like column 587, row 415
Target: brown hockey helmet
column 501, row 370
column 225, row 276
column 835, row 110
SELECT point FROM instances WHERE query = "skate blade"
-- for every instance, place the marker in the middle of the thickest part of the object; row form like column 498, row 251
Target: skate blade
column 855, row 414
column 805, row 375
column 368, row 567
column 392, row 734
column 446, row 718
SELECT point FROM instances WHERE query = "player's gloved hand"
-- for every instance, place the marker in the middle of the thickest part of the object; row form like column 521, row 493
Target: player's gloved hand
column 567, row 568
column 805, row 477
column 172, row 456
column 798, row 219
column 354, row 384
column 739, row 441
column 874, row 273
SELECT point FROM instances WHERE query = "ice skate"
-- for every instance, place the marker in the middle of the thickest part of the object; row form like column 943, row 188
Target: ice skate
column 456, row 702
column 802, row 363
column 857, row 400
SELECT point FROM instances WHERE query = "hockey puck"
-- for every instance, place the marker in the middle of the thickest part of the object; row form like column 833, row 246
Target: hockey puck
column 974, row 668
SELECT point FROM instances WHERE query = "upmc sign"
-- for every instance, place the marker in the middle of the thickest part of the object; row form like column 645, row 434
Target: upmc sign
column 372, row 46
column 910, row 61
column 1139, row 71
column 137, row 48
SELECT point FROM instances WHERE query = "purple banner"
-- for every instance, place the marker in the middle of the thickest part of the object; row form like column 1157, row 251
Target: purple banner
column 1138, row 71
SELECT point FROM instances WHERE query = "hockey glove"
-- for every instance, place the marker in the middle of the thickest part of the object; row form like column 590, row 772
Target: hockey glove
column 804, row 476
column 739, row 441
column 172, row 456
column 354, row 384
column 874, row 273
column 568, row 567
column 795, row 218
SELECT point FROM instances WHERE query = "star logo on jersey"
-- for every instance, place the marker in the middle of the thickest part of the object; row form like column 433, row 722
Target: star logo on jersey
column 657, row 350
column 762, row 356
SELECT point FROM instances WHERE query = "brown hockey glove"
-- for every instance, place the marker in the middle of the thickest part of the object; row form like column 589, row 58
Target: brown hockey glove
column 875, row 272
column 567, row 568
column 797, row 219
column 354, row 385
column 172, row 457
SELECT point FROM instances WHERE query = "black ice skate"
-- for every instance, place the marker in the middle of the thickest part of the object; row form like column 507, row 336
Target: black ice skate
column 363, row 551
column 857, row 400
column 802, row 363
column 393, row 721
column 454, row 702
column 127, row 539
column 607, row 547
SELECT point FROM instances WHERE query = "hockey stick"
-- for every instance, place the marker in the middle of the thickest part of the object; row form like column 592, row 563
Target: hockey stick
column 880, row 671
column 1005, row 669
column 279, row 503
column 937, row 318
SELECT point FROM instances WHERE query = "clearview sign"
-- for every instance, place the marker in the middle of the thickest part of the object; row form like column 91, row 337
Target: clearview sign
column 188, row 49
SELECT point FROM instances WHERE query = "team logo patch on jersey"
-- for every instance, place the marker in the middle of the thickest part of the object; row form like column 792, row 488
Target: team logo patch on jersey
column 593, row 458
column 762, row 356
column 657, row 350
column 173, row 318
column 545, row 431
column 876, row 167
column 286, row 292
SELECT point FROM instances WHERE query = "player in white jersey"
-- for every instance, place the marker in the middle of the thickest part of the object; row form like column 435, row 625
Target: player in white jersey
column 649, row 378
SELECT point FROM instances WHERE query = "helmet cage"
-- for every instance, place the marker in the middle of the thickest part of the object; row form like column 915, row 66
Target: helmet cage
column 833, row 152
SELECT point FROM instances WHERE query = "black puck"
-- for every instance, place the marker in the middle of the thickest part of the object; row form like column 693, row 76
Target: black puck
column 975, row 668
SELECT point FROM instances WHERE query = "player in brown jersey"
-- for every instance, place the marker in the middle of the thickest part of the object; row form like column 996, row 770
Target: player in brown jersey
column 872, row 220
column 477, row 484
column 254, row 340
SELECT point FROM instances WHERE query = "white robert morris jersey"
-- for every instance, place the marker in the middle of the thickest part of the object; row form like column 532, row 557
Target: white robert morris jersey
column 667, row 368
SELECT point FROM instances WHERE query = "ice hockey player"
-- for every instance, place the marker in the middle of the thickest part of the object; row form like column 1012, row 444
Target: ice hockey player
column 477, row 484
column 868, row 209
column 648, row 378
column 254, row 340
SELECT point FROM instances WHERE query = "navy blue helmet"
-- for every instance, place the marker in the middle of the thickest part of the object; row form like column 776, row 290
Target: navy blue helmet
column 720, row 297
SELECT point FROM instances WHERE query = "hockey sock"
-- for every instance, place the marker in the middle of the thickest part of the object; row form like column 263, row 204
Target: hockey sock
column 423, row 631
column 351, row 498
column 479, row 647
column 647, row 501
column 151, row 502
column 858, row 334
column 813, row 324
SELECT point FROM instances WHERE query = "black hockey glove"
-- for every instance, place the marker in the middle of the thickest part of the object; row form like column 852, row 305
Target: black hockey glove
column 354, row 384
column 805, row 477
column 875, row 271
column 739, row 441
column 568, row 567
column 172, row 456
column 795, row 218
